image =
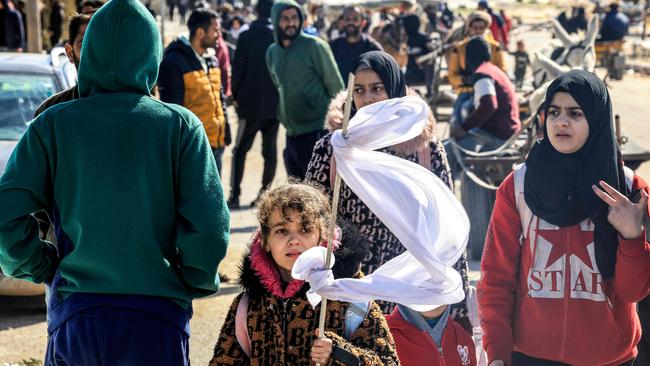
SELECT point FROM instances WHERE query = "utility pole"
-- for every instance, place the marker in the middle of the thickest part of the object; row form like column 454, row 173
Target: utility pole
column 162, row 21
column 34, row 31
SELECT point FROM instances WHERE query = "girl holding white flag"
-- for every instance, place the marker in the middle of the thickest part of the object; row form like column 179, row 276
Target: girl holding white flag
column 378, row 77
column 272, row 322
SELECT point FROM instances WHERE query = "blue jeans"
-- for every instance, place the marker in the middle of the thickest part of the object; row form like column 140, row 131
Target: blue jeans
column 462, row 107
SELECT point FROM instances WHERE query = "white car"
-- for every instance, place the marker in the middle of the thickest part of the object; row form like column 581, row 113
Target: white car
column 26, row 80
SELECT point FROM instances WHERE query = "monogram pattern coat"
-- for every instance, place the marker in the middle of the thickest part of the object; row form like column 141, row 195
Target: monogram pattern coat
column 385, row 246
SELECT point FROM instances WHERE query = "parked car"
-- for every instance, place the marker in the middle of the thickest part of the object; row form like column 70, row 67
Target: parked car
column 26, row 80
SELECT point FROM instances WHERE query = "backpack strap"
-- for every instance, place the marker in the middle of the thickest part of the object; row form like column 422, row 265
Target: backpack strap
column 629, row 177
column 525, row 214
column 241, row 329
column 354, row 317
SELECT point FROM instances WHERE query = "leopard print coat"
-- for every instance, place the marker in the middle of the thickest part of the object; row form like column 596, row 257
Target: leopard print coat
column 385, row 245
column 281, row 322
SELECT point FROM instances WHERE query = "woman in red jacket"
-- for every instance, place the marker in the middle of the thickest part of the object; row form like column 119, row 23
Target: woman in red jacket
column 566, row 255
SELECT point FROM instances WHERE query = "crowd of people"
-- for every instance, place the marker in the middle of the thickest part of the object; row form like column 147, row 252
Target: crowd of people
column 13, row 23
column 141, row 222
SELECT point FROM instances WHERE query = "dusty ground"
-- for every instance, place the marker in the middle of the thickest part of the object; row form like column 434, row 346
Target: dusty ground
column 22, row 325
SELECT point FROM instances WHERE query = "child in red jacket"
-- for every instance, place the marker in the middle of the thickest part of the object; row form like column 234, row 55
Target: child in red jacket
column 430, row 338
column 566, row 255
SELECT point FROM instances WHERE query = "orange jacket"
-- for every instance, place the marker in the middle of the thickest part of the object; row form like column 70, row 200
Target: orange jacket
column 456, row 73
column 182, row 80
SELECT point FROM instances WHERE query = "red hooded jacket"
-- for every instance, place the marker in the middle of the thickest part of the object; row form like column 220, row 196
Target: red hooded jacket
column 544, row 295
column 415, row 347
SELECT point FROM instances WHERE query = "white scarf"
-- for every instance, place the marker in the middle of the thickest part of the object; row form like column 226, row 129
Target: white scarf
column 410, row 200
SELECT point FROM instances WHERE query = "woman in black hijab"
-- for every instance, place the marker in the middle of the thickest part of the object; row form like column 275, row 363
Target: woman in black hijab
column 565, row 261
column 378, row 77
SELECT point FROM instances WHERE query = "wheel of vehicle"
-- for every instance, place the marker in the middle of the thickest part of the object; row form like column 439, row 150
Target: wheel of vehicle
column 478, row 203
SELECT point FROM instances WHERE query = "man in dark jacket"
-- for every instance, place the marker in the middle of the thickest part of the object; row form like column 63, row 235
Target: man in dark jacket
column 303, row 70
column 57, row 18
column 347, row 49
column 190, row 76
column 12, row 32
column 256, row 100
column 615, row 25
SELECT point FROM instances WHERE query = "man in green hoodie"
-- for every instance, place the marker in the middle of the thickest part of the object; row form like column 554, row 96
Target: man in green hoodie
column 303, row 69
column 132, row 189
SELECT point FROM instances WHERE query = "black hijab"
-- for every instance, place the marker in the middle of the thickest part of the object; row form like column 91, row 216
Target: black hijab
column 477, row 51
column 388, row 70
column 557, row 187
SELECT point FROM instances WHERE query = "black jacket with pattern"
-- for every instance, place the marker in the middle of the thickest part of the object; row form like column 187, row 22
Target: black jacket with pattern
column 385, row 246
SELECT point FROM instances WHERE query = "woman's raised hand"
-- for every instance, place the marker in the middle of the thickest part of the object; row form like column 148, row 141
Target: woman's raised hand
column 624, row 215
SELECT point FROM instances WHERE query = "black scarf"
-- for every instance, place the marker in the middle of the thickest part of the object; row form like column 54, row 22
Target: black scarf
column 477, row 51
column 557, row 187
column 386, row 67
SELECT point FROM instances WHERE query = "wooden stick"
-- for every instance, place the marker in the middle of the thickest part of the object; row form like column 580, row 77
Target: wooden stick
column 336, row 192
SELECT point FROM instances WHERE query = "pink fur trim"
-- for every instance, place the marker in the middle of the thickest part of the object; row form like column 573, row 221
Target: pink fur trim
column 266, row 270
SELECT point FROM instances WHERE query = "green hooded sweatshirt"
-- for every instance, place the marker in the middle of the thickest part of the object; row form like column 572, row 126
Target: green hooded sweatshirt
column 130, row 183
column 305, row 74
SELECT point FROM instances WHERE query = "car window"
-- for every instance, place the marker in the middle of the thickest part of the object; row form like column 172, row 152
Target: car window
column 20, row 95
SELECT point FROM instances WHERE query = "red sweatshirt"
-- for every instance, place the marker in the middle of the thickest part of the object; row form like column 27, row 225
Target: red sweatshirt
column 224, row 64
column 545, row 296
column 415, row 347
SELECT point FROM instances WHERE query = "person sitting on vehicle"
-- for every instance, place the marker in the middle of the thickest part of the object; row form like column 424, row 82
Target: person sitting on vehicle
column 459, row 77
column 615, row 25
column 578, row 21
column 495, row 115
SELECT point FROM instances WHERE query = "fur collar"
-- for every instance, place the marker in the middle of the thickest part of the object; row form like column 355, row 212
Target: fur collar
column 259, row 276
column 334, row 121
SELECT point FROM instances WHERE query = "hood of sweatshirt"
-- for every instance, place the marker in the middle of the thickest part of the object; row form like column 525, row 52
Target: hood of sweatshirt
column 278, row 7
column 121, row 51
